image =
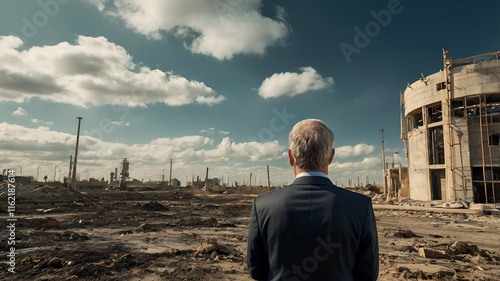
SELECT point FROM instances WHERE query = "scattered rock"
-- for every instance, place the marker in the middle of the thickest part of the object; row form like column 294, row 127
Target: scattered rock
column 408, row 249
column 71, row 235
column 154, row 206
column 430, row 253
column 210, row 246
column 425, row 271
column 56, row 262
column 125, row 232
column 405, row 234
column 75, row 205
column 212, row 222
column 45, row 223
column 460, row 248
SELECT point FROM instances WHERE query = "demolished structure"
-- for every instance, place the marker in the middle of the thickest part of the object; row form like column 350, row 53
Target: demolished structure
column 450, row 123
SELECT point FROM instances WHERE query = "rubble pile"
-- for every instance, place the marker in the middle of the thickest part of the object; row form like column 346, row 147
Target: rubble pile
column 36, row 192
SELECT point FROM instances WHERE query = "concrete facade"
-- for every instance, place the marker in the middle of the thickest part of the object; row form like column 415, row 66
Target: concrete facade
column 451, row 129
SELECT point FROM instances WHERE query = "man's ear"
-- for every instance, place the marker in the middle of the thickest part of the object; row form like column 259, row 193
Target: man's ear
column 331, row 156
column 290, row 158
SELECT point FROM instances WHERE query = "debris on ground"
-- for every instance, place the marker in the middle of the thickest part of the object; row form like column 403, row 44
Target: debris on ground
column 154, row 206
column 404, row 233
column 210, row 247
column 127, row 235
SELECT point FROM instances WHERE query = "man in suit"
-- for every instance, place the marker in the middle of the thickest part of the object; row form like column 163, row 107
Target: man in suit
column 312, row 229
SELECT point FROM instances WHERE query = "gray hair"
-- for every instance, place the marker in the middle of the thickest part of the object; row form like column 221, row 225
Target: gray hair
column 311, row 143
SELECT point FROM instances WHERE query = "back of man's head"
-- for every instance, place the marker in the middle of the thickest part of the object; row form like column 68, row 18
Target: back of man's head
column 311, row 143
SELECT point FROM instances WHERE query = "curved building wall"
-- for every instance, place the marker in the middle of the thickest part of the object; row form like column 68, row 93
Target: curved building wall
column 452, row 123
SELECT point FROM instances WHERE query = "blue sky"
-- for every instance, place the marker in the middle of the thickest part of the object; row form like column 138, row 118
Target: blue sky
column 218, row 83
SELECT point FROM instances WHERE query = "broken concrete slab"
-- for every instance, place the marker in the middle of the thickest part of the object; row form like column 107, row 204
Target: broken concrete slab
column 431, row 271
column 430, row 253
column 460, row 248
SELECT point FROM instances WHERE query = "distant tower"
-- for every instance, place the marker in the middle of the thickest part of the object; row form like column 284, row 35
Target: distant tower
column 124, row 173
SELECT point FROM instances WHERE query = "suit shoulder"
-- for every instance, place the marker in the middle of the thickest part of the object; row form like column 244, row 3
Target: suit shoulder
column 270, row 194
column 351, row 194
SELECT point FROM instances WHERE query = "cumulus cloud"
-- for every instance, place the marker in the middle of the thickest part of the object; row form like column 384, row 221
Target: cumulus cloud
column 38, row 121
column 120, row 123
column 224, row 132
column 292, row 83
column 349, row 151
column 216, row 28
column 366, row 163
column 19, row 112
column 93, row 71
column 24, row 146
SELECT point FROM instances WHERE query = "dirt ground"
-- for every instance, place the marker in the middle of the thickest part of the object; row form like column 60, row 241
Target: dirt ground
column 191, row 235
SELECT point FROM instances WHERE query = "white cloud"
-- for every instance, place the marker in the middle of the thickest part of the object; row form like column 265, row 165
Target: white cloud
column 42, row 146
column 224, row 132
column 349, row 151
column 19, row 112
column 93, row 71
column 292, row 84
column 208, row 131
column 216, row 28
column 120, row 123
column 365, row 164
column 37, row 121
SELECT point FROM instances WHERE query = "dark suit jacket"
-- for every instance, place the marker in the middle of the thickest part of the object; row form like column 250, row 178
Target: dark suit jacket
column 312, row 230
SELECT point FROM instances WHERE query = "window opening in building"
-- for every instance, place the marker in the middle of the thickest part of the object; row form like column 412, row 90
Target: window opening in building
column 457, row 107
column 441, row 86
column 435, row 113
column 436, row 146
column 417, row 119
column 494, row 139
column 438, row 183
column 472, row 106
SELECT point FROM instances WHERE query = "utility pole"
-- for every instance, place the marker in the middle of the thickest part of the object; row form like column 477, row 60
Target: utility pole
column 268, row 178
column 69, row 173
column 206, row 182
column 73, row 185
column 55, row 171
column 383, row 162
column 170, row 178
column 250, row 180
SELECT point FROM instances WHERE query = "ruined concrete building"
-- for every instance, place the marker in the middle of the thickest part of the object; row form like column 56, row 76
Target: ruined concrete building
column 450, row 123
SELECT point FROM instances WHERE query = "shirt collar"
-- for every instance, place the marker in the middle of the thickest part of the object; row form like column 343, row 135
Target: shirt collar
column 312, row 174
